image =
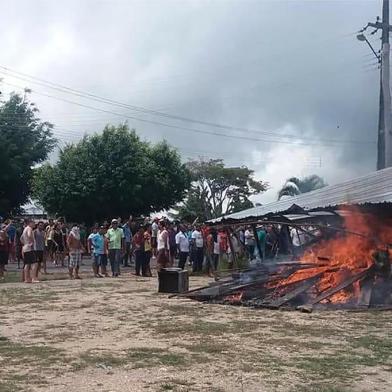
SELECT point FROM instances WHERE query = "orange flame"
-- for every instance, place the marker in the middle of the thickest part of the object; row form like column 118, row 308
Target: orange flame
column 233, row 298
column 345, row 255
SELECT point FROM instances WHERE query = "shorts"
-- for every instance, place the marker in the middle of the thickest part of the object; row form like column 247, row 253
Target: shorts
column 51, row 246
column 29, row 257
column 74, row 259
column 3, row 257
column 100, row 260
column 39, row 255
column 104, row 260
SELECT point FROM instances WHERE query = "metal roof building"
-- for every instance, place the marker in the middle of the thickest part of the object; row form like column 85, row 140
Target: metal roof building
column 373, row 188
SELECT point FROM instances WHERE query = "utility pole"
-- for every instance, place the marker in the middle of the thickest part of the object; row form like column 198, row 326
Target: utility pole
column 384, row 140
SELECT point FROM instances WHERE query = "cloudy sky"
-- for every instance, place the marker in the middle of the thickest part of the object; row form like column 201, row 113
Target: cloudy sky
column 297, row 90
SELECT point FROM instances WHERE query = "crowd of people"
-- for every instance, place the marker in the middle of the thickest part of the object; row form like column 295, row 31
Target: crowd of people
column 132, row 243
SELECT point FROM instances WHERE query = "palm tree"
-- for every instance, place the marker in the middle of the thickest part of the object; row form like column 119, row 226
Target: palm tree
column 296, row 186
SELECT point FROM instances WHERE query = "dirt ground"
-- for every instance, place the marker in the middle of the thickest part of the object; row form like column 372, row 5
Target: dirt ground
column 116, row 335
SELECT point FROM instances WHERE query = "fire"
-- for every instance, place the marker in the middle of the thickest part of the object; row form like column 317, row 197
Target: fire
column 233, row 298
column 348, row 253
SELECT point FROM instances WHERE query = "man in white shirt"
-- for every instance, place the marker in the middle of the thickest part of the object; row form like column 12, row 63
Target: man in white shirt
column 250, row 242
column 198, row 243
column 182, row 243
column 29, row 259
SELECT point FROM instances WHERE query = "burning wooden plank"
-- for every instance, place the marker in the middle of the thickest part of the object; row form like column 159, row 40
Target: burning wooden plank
column 277, row 303
column 333, row 290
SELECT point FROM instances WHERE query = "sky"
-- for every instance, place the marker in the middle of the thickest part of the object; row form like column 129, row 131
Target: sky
column 296, row 92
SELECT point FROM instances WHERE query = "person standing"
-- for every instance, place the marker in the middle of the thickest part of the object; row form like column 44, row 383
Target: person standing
column 261, row 235
column 91, row 251
column 49, row 241
column 4, row 251
column 182, row 243
column 96, row 243
column 75, row 252
column 198, row 242
column 147, row 250
column 127, row 229
column 138, row 247
column 83, row 239
column 162, row 246
column 115, row 246
column 90, row 245
column 271, row 240
column 172, row 243
column 250, row 242
column 210, row 265
column 100, row 256
column 217, row 249
column 18, row 245
column 30, row 264
column 11, row 233
column 39, row 248
column 58, row 241
column 154, row 236
column 64, row 234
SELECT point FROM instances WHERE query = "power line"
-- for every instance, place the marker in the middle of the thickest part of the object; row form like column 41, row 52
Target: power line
column 192, row 129
column 97, row 98
column 63, row 140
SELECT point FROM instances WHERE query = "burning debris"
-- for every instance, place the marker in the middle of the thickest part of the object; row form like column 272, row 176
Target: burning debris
column 350, row 269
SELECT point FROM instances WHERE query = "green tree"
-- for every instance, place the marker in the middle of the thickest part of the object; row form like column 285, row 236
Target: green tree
column 111, row 174
column 218, row 190
column 25, row 141
column 296, row 186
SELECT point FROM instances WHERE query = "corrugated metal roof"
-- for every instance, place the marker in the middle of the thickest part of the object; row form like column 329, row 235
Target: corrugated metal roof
column 375, row 187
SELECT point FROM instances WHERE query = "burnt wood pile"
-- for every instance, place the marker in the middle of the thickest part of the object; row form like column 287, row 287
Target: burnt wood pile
column 305, row 286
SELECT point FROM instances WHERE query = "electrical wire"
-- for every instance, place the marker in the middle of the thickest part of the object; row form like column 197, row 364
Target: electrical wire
column 97, row 98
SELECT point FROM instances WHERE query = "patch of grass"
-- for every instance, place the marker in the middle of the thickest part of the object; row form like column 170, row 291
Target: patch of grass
column 167, row 387
column 344, row 365
column 182, row 310
column 291, row 345
column 11, row 277
column 197, row 327
column 314, row 329
column 10, row 386
column 327, row 367
column 207, row 347
column 146, row 357
column 14, row 296
column 89, row 358
column 93, row 283
column 12, row 353
column 180, row 382
column 15, row 355
column 315, row 387
column 381, row 349
column 138, row 358
column 135, row 291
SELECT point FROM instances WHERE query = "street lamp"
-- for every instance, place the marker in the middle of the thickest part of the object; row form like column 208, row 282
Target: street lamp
column 361, row 37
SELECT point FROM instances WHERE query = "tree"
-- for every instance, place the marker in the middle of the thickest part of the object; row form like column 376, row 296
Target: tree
column 111, row 174
column 218, row 190
column 25, row 141
column 296, row 186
